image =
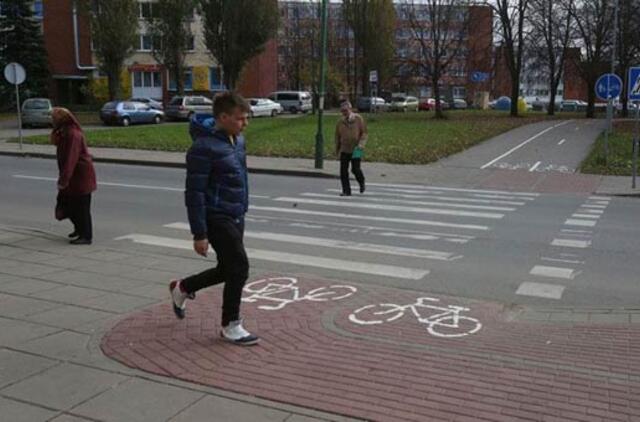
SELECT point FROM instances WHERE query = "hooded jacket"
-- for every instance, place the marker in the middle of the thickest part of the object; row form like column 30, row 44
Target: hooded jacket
column 216, row 175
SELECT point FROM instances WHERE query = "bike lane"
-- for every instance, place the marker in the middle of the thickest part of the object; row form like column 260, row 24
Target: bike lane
column 409, row 360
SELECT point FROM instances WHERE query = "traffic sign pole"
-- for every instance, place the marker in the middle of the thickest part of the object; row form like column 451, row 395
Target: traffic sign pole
column 15, row 78
column 633, row 94
column 636, row 146
column 608, row 87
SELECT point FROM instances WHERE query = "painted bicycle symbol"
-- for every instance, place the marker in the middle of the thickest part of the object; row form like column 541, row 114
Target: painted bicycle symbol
column 444, row 322
column 282, row 291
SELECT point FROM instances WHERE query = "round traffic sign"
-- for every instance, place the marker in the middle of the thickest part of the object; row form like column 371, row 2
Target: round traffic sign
column 608, row 86
column 14, row 73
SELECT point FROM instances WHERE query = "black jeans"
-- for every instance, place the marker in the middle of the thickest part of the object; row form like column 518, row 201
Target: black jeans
column 79, row 211
column 225, row 236
column 345, row 159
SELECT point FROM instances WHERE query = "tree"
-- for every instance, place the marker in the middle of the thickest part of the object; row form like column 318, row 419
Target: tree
column 171, row 35
column 373, row 23
column 593, row 19
column 21, row 41
column 628, row 45
column 114, row 26
column 439, row 28
column 237, row 30
column 551, row 34
column 511, row 18
column 301, row 46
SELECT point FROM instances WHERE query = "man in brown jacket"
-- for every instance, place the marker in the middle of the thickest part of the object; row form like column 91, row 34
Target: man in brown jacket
column 351, row 137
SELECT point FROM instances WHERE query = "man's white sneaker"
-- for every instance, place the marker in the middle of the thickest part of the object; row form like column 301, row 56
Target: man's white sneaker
column 178, row 298
column 236, row 334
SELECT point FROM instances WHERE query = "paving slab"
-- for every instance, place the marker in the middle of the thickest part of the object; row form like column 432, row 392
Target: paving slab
column 138, row 400
column 18, row 306
column 68, row 294
column 63, row 386
column 16, row 366
column 118, row 303
column 227, row 410
column 13, row 331
column 15, row 411
column 25, row 286
column 69, row 418
column 70, row 317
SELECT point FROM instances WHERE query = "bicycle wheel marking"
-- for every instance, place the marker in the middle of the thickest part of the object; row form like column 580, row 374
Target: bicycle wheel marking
column 279, row 292
column 443, row 321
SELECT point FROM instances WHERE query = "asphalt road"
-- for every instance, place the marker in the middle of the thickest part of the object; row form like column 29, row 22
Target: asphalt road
column 565, row 250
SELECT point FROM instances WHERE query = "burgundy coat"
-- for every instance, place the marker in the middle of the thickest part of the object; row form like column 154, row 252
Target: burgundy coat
column 76, row 173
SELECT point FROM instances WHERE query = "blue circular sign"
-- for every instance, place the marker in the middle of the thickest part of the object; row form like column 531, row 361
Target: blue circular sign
column 608, row 86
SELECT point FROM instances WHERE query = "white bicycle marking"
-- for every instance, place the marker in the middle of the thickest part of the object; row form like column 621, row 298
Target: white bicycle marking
column 284, row 290
column 437, row 323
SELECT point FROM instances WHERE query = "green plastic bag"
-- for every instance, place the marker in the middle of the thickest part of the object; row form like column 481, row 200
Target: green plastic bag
column 357, row 153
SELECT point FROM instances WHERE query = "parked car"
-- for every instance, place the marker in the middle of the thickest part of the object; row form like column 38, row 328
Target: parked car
column 36, row 112
column 459, row 104
column 502, row 103
column 364, row 104
column 429, row 104
column 404, row 103
column 153, row 103
column 183, row 107
column 293, row 101
column 573, row 105
column 126, row 113
column 264, row 107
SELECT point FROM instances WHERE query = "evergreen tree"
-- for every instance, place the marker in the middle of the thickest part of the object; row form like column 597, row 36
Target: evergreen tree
column 21, row 41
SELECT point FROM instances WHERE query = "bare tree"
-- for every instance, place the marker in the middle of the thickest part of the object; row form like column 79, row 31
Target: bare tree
column 593, row 19
column 628, row 44
column 511, row 18
column 440, row 32
column 170, row 29
column 114, row 26
column 550, row 39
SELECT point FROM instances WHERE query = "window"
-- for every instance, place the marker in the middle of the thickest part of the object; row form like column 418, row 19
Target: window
column 146, row 42
column 188, row 80
column 459, row 92
column 147, row 80
column 129, row 106
column 215, row 79
column 191, row 43
column 146, row 10
column 38, row 9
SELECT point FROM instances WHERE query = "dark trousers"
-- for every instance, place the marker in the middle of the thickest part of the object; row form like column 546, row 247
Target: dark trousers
column 345, row 159
column 225, row 236
column 79, row 212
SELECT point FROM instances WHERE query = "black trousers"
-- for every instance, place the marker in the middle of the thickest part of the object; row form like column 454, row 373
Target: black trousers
column 345, row 159
column 226, row 237
column 78, row 208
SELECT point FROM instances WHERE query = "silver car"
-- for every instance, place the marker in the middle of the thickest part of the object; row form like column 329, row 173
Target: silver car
column 183, row 107
column 36, row 112
column 293, row 101
column 264, row 107
column 402, row 103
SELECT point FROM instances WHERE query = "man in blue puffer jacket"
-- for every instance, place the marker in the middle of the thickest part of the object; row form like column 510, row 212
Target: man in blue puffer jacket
column 217, row 198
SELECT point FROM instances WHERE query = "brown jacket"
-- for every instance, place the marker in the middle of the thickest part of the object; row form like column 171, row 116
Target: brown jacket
column 350, row 133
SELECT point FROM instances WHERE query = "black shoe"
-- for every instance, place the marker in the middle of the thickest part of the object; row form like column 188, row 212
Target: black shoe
column 362, row 188
column 73, row 234
column 345, row 194
column 80, row 241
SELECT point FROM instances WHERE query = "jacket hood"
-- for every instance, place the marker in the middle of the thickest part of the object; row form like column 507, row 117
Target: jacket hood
column 201, row 124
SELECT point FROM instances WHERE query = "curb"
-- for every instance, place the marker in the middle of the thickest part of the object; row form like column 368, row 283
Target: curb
column 169, row 164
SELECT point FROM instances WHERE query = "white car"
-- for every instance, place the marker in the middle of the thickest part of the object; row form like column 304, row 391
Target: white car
column 264, row 107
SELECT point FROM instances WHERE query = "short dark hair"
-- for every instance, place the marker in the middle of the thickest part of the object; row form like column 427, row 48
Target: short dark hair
column 227, row 102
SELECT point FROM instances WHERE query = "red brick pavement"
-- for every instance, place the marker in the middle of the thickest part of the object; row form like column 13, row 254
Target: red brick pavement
column 544, row 182
column 312, row 355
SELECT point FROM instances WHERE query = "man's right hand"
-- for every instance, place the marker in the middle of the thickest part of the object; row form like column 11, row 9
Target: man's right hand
column 201, row 247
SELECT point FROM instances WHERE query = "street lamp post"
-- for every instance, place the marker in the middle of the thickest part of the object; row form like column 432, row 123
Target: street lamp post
column 321, row 93
column 609, row 128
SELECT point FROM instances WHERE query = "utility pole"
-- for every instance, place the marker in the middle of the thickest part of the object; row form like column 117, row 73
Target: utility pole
column 609, row 128
column 321, row 93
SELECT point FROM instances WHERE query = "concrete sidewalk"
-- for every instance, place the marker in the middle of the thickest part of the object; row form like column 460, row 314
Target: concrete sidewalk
column 57, row 301
column 433, row 174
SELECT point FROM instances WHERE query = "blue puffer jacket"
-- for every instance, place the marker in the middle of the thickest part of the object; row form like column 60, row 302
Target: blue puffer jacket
column 216, row 175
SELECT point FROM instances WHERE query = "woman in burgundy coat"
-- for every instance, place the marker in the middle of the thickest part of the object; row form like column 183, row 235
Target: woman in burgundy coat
column 77, row 177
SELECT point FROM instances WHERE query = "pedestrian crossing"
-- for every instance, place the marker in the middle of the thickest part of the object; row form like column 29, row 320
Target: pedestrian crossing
column 392, row 231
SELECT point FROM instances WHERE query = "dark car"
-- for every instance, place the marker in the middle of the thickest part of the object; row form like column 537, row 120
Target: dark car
column 126, row 113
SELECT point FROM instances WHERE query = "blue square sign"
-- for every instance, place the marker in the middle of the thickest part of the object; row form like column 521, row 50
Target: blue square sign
column 634, row 84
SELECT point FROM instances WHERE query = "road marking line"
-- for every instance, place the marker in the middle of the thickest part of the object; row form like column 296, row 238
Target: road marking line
column 562, row 142
column 564, row 261
column 490, row 196
column 554, row 272
column 440, row 198
column 290, row 258
column 351, row 204
column 594, row 206
column 535, row 166
column 593, row 211
column 402, row 201
column 570, row 243
column 421, row 187
column 593, row 216
column 600, row 198
column 605, row 203
column 583, row 223
column 589, row 232
column 517, row 147
column 373, row 218
column 544, row 290
column 339, row 244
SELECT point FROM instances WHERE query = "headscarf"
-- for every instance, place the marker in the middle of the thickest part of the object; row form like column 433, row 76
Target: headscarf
column 63, row 121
